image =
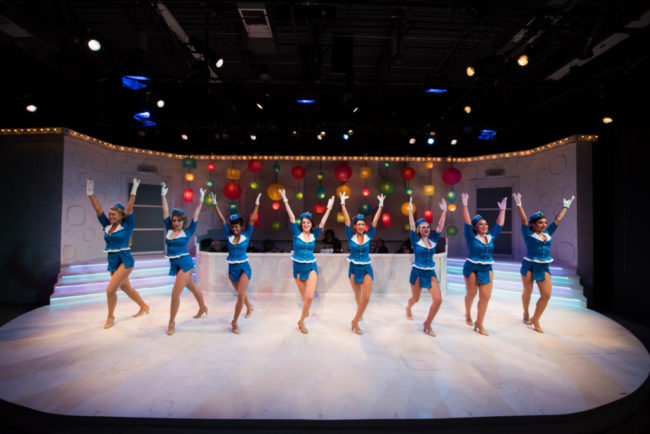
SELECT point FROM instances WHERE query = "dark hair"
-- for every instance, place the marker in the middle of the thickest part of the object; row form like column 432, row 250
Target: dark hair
column 238, row 221
column 181, row 216
column 312, row 223
column 474, row 225
column 535, row 220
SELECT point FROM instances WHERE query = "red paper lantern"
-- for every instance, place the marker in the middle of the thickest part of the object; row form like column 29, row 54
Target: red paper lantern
column 428, row 216
column 232, row 190
column 319, row 209
column 343, row 172
column 408, row 173
column 385, row 219
column 257, row 218
column 275, row 205
column 451, row 176
column 210, row 167
column 365, row 192
column 255, row 165
column 188, row 195
column 298, row 172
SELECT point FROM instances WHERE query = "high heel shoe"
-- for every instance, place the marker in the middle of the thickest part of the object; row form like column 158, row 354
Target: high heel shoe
column 409, row 315
column 302, row 328
column 110, row 321
column 171, row 328
column 201, row 312
column 468, row 321
column 356, row 329
column 480, row 330
column 142, row 311
column 235, row 328
column 249, row 311
column 526, row 320
column 536, row 326
column 428, row 331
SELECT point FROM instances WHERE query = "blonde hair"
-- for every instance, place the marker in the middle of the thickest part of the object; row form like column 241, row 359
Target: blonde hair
column 120, row 211
column 181, row 216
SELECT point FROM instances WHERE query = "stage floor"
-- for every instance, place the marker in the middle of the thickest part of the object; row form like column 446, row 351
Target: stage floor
column 59, row 359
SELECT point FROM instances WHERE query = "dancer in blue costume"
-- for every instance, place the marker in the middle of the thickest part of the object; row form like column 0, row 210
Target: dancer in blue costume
column 305, row 270
column 239, row 270
column 422, row 272
column 181, row 265
column 360, row 272
column 534, row 267
column 478, row 264
column 118, row 228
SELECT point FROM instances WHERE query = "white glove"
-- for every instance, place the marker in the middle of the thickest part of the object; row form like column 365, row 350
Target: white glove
column 502, row 204
column 343, row 197
column 214, row 198
column 567, row 202
column 136, row 184
column 330, row 203
column 381, row 198
column 202, row 190
column 443, row 205
column 517, row 198
column 90, row 187
column 283, row 194
column 257, row 201
column 163, row 189
column 465, row 197
column 410, row 204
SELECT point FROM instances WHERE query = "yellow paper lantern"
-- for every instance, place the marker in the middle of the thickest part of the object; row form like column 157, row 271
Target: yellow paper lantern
column 428, row 190
column 343, row 189
column 340, row 218
column 429, row 165
column 272, row 191
column 189, row 177
column 366, row 172
column 405, row 208
column 452, row 207
column 233, row 174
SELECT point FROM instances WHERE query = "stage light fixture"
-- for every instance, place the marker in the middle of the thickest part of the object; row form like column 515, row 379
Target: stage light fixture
column 160, row 103
column 319, row 137
column 259, row 106
column 294, row 133
column 607, row 120
column 184, row 136
column 355, row 109
column 434, row 90
column 487, row 134
column 345, row 136
column 323, row 133
column 454, row 141
column 305, row 101
column 431, row 140
column 31, row 108
column 523, row 60
column 253, row 137
column 143, row 118
column 135, row 82
column 94, row 45
column 470, row 71
column 350, row 132
column 219, row 62
column 467, row 109
column 412, row 141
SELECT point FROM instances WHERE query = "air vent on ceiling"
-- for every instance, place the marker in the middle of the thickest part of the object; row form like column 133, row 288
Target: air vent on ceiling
column 147, row 169
column 255, row 20
column 491, row 173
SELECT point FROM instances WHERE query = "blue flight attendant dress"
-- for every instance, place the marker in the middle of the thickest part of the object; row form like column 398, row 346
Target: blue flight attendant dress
column 359, row 257
column 179, row 258
column 479, row 260
column 237, row 258
column 424, row 266
column 117, row 242
column 303, row 251
column 538, row 250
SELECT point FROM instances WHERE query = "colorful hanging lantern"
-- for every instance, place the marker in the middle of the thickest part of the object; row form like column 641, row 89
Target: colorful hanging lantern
column 211, row 167
column 408, row 191
column 429, row 190
column 451, row 207
column 365, row 209
column 342, row 172
column 209, row 183
column 232, row 190
column 365, row 192
column 386, row 186
column 366, row 172
column 343, row 189
column 452, row 231
column 386, row 164
column 207, row 200
column 320, row 192
column 298, row 172
column 451, row 196
column 254, row 185
column 276, row 225
column 319, row 209
column 232, row 173
column 189, row 163
column 428, row 216
column 408, row 173
column 320, row 176
column 188, row 195
column 255, row 165
column 299, row 195
column 385, row 219
column 189, row 177
column 429, row 164
column 276, row 168
column 232, row 207
column 405, row 208
column 340, row 218
column 275, row 205
column 407, row 227
column 257, row 219
column 451, row 176
column 272, row 191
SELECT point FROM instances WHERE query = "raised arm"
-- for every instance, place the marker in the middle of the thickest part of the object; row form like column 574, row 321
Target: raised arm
column 257, row 207
column 90, row 191
column 566, row 203
column 346, row 216
column 443, row 215
column 501, row 218
column 330, row 205
column 465, row 197
column 283, row 193
column 522, row 215
column 163, row 196
column 411, row 219
column 214, row 201
column 380, row 198
column 134, row 190
column 197, row 210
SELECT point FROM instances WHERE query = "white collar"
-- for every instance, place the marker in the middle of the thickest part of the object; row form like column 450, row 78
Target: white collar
column 488, row 236
column 242, row 238
column 306, row 239
column 118, row 228
column 366, row 239
column 170, row 234
column 540, row 237
column 421, row 243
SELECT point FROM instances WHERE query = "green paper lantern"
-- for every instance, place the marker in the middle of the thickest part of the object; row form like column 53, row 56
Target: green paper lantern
column 386, row 186
column 320, row 192
column 320, row 175
column 451, row 196
column 276, row 168
column 407, row 227
column 276, row 225
column 254, row 185
column 386, row 164
column 189, row 163
column 365, row 209
column 209, row 183
column 233, row 207
column 299, row 195
column 409, row 191
column 452, row 231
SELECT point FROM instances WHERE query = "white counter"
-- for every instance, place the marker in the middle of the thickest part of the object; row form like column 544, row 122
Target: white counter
column 273, row 272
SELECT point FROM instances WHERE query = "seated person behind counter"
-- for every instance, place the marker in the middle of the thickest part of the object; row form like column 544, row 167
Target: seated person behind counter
column 330, row 243
column 378, row 246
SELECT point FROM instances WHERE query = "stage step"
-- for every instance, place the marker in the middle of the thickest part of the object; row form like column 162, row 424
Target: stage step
column 150, row 272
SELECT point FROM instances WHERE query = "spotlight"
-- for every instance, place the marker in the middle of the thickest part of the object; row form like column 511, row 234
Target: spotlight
column 323, row 133
column 470, row 71
column 31, row 108
column 607, row 120
column 487, row 134
column 161, row 103
column 345, row 136
column 454, row 141
column 355, row 109
column 294, row 133
column 305, row 101
column 434, row 90
column 184, row 136
column 94, row 45
column 412, row 141
column 143, row 118
column 253, row 137
column 135, row 82
column 350, row 132
column 319, row 137
column 219, row 62
column 259, row 106
column 431, row 140
column 467, row 109
column 523, row 60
